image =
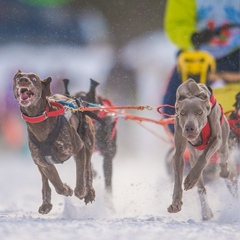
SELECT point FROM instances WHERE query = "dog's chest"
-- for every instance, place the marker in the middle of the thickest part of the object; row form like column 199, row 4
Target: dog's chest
column 57, row 151
column 62, row 142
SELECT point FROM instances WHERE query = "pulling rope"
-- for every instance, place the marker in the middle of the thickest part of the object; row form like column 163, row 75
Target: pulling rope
column 110, row 109
column 164, row 122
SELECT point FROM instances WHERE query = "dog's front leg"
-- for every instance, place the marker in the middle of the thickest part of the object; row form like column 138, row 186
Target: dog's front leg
column 178, row 164
column 46, row 206
column 195, row 173
column 50, row 172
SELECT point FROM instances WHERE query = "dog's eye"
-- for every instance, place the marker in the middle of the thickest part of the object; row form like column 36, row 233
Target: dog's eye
column 182, row 113
column 200, row 112
column 34, row 79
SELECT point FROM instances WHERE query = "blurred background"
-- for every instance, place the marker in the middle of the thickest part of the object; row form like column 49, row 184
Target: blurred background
column 120, row 44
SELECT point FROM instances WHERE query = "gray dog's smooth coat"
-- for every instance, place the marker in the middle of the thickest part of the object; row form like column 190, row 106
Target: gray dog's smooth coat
column 55, row 139
column 201, row 126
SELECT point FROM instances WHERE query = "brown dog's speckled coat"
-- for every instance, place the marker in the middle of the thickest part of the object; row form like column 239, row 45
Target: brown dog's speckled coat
column 33, row 95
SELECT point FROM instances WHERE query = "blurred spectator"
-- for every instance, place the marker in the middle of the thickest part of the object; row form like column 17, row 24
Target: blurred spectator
column 205, row 25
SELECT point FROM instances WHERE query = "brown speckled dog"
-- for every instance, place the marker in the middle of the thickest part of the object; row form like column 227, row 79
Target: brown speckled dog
column 55, row 134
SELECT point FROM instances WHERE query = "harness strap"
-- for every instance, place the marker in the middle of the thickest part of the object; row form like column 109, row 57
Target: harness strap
column 45, row 147
column 206, row 131
column 234, row 123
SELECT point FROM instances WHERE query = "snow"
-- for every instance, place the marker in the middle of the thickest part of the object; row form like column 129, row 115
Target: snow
column 142, row 193
column 142, row 190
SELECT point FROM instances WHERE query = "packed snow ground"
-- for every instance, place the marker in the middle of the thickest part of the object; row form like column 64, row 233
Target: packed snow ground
column 142, row 193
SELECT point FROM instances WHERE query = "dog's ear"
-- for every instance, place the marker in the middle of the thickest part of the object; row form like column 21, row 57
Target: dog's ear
column 176, row 108
column 46, row 86
column 202, row 95
column 19, row 71
column 194, row 88
column 198, row 90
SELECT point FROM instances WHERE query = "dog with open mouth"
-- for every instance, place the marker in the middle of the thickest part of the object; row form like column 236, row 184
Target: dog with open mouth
column 55, row 134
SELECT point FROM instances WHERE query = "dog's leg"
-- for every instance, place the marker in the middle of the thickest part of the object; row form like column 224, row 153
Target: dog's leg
column 228, row 171
column 46, row 206
column 50, row 173
column 230, row 179
column 81, row 189
column 178, row 164
column 195, row 173
column 84, row 188
column 89, row 178
column 108, row 148
column 88, row 137
column 206, row 210
column 107, row 170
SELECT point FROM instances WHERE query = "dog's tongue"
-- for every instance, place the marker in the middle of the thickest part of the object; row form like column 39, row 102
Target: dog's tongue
column 25, row 95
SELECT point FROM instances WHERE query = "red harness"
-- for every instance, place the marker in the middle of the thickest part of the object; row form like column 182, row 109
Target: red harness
column 60, row 111
column 206, row 131
column 233, row 124
column 102, row 114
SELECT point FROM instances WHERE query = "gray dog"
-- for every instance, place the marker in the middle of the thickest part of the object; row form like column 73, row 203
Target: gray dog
column 201, row 126
column 54, row 135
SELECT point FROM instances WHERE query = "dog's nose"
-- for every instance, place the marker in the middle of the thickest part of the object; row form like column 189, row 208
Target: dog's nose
column 190, row 128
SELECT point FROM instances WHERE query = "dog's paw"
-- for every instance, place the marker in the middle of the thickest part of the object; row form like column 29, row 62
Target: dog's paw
column 90, row 197
column 81, row 194
column 207, row 214
column 67, row 191
column 45, row 208
column 190, row 182
column 174, row 208
column 224, row 173
column 232, row 187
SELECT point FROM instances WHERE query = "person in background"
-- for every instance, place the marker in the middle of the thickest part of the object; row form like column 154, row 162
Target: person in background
column 213, row 26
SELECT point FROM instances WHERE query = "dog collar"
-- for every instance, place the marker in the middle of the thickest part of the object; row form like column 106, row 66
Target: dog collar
column 60, row 111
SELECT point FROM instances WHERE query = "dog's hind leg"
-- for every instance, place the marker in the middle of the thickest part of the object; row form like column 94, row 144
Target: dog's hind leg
column 228, row 171
column 206, row 210
column 91, row 192
column 81, row 189
column 108, row 151
column 107, row 170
